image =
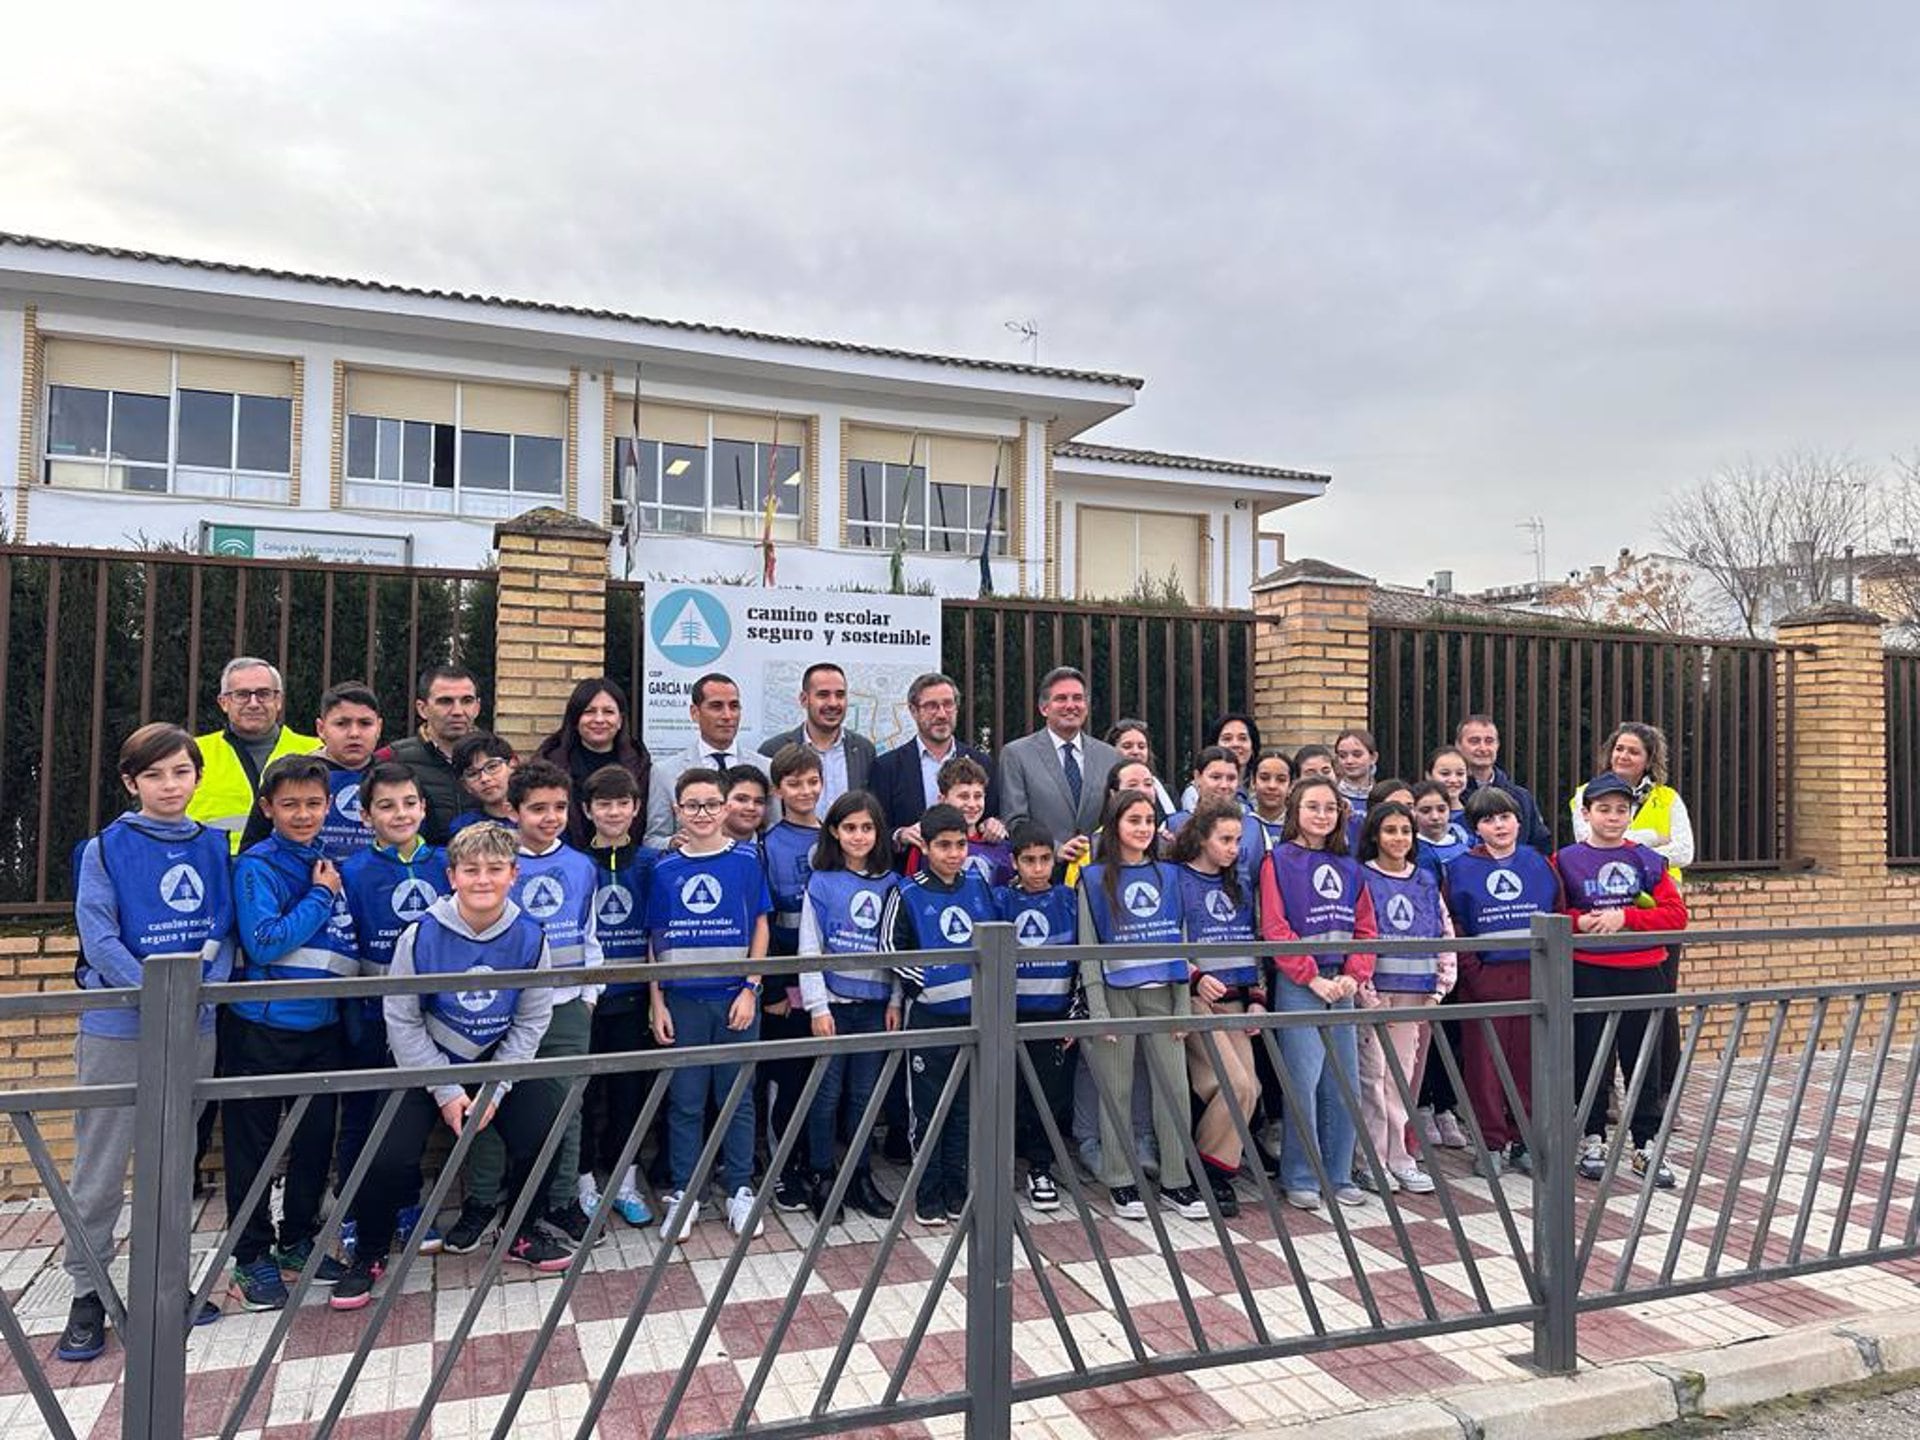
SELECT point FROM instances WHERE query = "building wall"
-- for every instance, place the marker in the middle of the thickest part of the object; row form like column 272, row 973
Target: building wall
column 1230, row 560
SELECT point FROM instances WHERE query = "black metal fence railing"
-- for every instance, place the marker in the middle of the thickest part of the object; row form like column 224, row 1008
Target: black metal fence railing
column 1903, row 757
column 1787, row 1148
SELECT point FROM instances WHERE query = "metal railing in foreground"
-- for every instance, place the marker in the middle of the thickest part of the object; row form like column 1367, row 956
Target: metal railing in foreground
column 1785, row 1125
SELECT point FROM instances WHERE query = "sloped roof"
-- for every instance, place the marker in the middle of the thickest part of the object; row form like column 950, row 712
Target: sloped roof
column 381, row 287
column 1123, row 455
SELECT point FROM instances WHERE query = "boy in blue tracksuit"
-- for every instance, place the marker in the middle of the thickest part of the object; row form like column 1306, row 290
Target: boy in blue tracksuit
column 709, row 902
column 1044, row 916
column 389, row 885
column 294, row 925
column 477, row 930
column 936, row 908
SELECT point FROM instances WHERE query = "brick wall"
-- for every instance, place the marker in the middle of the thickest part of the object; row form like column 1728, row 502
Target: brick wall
column 552, row 624
column 1311, row 658
column 35, row 1051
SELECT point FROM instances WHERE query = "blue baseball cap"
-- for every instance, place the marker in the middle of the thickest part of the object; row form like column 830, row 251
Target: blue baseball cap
column 1606, row 783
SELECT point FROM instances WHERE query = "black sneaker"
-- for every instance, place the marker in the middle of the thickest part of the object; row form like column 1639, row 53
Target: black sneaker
column 356, row 1286
column 535, row 1250
column 1184, row 1201
column 794, row 1194
column 292, row 1259
column 930, row 1211
column 1224, row 1195
column 469, row 1232
column 869, row 1199
column 1042, row 1193
column 1519, row 1159
column 956, row 1202
column 86, row 1333
column 570, row 1225
column 1127, row 1204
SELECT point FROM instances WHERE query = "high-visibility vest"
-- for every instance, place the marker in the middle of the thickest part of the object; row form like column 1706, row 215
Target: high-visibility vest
column 1655, row 814
column 225, row 798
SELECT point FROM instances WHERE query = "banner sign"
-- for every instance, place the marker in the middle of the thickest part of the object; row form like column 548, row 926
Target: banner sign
column 276, row 542
column 765, row 639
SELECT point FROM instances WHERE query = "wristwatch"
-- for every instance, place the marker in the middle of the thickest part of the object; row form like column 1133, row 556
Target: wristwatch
column 755, row 986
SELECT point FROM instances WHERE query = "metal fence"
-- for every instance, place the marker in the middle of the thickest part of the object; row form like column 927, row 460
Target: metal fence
column 1903, row 757
column 1726, row 707
column 1791, row 1158
column 94, row 643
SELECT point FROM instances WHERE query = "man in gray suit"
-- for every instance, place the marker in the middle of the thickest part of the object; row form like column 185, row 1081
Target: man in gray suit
column 846, row 758
column 716, row 716
column 1057, row 775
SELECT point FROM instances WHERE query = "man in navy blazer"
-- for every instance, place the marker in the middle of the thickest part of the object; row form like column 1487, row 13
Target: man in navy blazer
column 904, row 778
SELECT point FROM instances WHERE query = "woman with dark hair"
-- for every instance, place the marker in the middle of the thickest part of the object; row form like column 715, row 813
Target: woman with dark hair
column 592, row 735
column 1134, row 740
column 1239, row 736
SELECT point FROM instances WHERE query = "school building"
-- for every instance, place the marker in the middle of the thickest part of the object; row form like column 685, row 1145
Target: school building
column 264, row 412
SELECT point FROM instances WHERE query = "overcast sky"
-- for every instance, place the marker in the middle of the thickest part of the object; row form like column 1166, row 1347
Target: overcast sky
column 1479, row 261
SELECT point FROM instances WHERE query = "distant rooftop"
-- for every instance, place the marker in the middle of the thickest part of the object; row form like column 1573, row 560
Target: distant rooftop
column 1123, row 455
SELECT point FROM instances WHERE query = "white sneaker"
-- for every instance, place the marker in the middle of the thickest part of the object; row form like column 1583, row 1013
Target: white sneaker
column 1414, row 1180
column 683, row 1213
column 739, row 1208
column 589, row 1192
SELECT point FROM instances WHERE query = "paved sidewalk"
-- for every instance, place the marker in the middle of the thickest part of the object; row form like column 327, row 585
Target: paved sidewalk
column 1205, row 1401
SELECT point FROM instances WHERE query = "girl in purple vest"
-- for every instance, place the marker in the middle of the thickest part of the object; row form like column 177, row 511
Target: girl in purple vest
column 1406, row 906
column 1310, row 889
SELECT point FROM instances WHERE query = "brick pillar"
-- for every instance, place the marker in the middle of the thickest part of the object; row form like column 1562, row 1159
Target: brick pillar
column 1836, row 762
column 552, row 627
column 1311, row 652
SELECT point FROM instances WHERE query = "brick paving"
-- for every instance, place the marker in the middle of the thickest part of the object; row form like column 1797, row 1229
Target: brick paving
column 1220, row 1282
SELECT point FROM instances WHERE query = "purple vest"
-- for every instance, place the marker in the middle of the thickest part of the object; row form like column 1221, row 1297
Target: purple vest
column 1405, row 908
column 1608, row 879
column 1318, row 892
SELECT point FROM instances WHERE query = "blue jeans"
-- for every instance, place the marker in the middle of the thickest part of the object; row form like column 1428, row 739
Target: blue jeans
column 847, row 1084
column 1321, row 1113
column 704, row 1022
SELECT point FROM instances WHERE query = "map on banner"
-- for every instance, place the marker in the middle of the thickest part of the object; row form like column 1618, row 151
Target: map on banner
column 764, row 639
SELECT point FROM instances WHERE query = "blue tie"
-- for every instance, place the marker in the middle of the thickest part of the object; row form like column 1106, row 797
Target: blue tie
column 719, row 759
column 1071, row 765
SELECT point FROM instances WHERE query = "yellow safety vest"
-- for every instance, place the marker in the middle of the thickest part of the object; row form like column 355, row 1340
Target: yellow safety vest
column 1655, row 814
column 225, row 797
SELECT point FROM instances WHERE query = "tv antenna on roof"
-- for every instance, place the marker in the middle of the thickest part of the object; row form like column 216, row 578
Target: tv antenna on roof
column 1029, row 331
column 1537, row 528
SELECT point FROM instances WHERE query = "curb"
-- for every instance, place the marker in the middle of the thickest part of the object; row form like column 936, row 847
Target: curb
column 1638, row 1394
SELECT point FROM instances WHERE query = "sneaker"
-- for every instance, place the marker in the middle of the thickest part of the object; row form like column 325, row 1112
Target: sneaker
column 1350, row 1195
column 259, row 1285
column 587, row 1191
column 794, row 1193
column 407, row 1223
column 356, row 1286
column 205, row 1315
column 740, row 1211
column 1269, row 1159
column 1042, row 1193
column 536, row 1251
column 683, row 1213
column 929, row 1211
column 1429, row 1128
column 1519, row 1158
column 470, row 1230
column 1184, row 1201
column 956, row 1202
column 1593, row 1158
column 631, row 1207
column 1304, row 1199
column 570, row 1225
column 1127, row 1204
column 1364, row 1179
column 86, row 1333
column 1448, row 1133
column 1493, row 1167
column 349, row 1238
column 869, row 1199
column 1643, row 1162
column 1414, row 1180
column 292, row 1259
column 1224, row 1195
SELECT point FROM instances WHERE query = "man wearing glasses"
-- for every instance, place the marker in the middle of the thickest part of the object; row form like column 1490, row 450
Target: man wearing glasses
column 253, row 700
column 906, row 780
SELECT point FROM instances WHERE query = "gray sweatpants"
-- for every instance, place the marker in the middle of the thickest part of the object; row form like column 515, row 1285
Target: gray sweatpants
column 103, row 1146
column 1112, row 1059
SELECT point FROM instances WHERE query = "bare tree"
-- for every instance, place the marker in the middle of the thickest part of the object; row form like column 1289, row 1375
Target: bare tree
column 1775, row 530
column 1639, row 592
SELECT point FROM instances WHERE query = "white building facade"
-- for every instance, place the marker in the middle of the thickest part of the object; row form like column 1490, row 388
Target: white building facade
column 162, row 400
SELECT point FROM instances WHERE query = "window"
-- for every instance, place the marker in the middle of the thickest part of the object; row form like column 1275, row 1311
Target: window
column 125, row 418
column 442, row 447
column 939, row 492
column 692, row 474
column 1118, row 550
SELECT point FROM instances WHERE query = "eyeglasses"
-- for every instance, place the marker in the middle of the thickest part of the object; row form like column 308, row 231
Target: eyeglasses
column 938, row 706
column 482, row 772
column 251, row 697
column 702, row 807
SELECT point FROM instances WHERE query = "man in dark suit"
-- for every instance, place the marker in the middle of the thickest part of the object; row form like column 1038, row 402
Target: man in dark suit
column 905, row 779
column 846, row 758
column 1057, row 775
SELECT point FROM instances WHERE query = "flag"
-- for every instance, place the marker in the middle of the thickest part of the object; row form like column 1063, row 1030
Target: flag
column 897, row 570
column 772, row 506
column 630, row 475
column 986, row 538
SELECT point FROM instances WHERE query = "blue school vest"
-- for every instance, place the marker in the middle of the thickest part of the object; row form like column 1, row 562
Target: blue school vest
column 331, row 952
column 944, row 919
column 703, row 907
column 556, row 892
column 385, row 894
column 343, row 833
column 1608, row 879
column 991, row 860
column 1490, row 897
column 466, row 1024
column 1148, row 914
column 1042, row 923
column 622, row 878
column 1405, row 908
column 175, row 897
column 1211, row 918
column 1258, row 839
column 848, row 909
column 1434, row 856
column 1319, row 893
column 787, row 850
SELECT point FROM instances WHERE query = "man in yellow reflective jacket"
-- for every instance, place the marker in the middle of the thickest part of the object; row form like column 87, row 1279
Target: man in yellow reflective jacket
column 253, row 700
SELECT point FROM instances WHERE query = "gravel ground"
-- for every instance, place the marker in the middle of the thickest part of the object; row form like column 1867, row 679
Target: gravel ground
column 1880, row 1414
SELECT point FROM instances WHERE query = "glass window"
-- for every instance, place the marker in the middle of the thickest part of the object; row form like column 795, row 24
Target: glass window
column 206, row 429
column 539, row 465
column 943, row 517
column 266, row 434
column 415, row 441
column 487, row 463
column 77, row 422
column 139, row 428
column 683, row 477
column 362, row 445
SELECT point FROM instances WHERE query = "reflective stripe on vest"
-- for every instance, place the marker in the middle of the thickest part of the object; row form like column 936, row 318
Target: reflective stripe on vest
column 1148, row 914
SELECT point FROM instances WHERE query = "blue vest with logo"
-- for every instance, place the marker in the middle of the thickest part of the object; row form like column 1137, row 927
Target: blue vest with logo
column 622, row 878
column 343, row 833
column 1405, row 907
column 1614, row 879
column 1319, row 892
column 1258, row 839
column 1434, row 856
column 466, row 1024
column 788, row 852
column 1148, row 914
column 330, row 953
column 1491, row 897
column 847, row 909
column 944, row 919
column 174, row 897
column 385, row 894
column 1043, row 922
column 703, row 907
column 555, row 891
column 1210, row 917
